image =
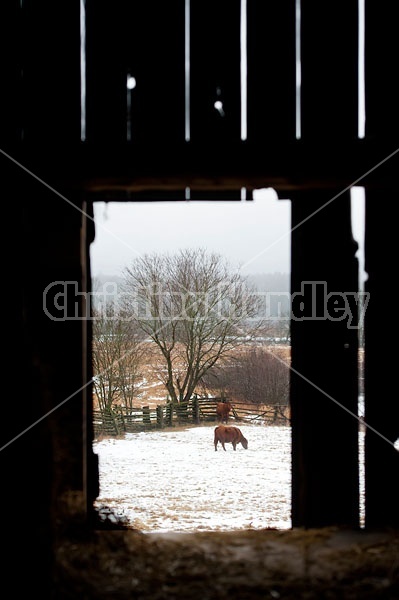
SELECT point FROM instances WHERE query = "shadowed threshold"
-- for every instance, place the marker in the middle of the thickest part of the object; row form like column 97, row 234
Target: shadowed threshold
column 240, row 565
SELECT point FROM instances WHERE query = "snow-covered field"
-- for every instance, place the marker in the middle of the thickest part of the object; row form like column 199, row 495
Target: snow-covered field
column 173, row 480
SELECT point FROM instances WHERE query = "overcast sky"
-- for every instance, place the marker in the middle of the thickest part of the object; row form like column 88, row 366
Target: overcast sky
column 253, row 235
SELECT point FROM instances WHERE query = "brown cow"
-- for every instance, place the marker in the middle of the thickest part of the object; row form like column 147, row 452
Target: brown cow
column 230, row 435
column 222, row 410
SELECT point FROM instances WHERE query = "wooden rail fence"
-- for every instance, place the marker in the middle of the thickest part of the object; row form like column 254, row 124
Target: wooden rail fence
column 118, row 420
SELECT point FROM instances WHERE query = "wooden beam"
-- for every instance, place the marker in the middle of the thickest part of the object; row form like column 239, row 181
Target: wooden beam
column 324, row 387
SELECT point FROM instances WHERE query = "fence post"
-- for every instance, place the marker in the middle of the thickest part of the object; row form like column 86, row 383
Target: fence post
column 146, row 415
column 169, row 414
column 195, row 409
column 119, row 413
column 160, row 416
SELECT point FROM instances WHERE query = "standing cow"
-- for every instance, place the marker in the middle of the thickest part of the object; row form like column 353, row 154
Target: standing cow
column 229, row 435
column 222, row 410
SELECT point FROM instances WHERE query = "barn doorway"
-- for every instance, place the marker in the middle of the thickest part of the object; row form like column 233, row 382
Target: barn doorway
column 253, row 237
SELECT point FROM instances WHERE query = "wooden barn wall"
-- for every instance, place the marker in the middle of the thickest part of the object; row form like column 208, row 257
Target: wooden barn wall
column 45, row 166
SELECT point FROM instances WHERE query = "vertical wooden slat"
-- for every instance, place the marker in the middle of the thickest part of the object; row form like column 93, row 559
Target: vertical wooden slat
column 145, row 41
column 155, row 40
column 324, row 383
column 106, row 25
column 381, row 69
column 271, row 71
column 51, row 73
column 11, row 71
column 215, row 71
column 31, row 445
column 381, row 334
column 381, row 410
column 329, row 63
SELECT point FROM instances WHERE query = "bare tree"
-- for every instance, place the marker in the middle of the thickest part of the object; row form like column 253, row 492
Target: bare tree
column 117, row 353
column 194, row 310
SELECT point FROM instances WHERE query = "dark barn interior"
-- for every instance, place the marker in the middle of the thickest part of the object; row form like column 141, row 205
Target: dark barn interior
column 69, row 140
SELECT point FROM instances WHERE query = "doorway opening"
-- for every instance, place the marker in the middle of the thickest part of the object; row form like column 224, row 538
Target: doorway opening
column 161, row 475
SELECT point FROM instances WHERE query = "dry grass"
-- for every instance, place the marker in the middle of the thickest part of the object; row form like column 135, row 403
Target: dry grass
column 154, row 393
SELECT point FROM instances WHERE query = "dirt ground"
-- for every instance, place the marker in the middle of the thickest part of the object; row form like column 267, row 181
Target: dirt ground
column 294, row 564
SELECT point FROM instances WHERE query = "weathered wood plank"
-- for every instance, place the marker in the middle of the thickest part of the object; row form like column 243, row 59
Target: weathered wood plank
column 271, row 71
column 50, row 48
column 381, row 406
column 106, row 73
column 323, row 410
column 155, row 56
column 11, row 75
column 215, row 71
column 381, row 69
column 329, row 65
